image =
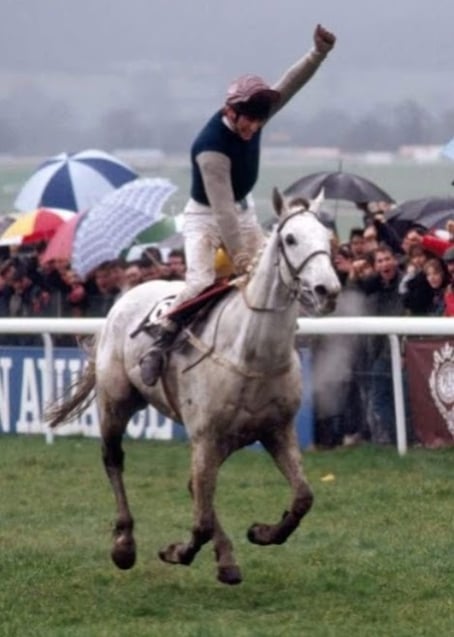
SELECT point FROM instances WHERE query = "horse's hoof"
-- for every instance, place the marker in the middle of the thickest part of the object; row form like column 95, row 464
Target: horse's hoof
column 176, row 554
column 229, row 575
column 260, row 534
column 124, row 554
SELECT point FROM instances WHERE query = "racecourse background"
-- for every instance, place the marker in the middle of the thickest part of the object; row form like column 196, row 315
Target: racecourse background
column 402, row 179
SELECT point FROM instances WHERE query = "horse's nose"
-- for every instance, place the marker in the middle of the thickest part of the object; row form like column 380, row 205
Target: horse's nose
column 327, row 296
column 326, row 292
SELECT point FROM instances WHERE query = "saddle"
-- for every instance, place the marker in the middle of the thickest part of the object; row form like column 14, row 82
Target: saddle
column 187, row 312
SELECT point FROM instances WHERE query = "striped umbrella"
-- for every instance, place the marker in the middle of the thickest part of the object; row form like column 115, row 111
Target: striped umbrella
column 34, row 226
column 112, row 225
column 73, row 182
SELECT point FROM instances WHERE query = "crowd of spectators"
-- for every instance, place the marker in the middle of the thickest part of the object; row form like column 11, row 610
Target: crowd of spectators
column 29, row 288
column 382, row 273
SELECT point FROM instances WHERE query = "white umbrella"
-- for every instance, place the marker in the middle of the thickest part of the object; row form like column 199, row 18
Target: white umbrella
column 448, row 149
column 73, row 182
column 112, row 225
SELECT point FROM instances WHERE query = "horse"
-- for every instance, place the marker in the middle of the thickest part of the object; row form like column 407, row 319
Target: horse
column 233, row 378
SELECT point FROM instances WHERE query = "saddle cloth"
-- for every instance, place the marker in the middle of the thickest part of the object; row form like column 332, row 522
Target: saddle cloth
column 186, row 311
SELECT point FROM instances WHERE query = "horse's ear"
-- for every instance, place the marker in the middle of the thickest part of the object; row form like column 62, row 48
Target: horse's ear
column 317, row 202
column 278, row 201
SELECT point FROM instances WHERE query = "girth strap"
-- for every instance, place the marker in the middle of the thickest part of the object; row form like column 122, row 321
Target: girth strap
column 224, row 362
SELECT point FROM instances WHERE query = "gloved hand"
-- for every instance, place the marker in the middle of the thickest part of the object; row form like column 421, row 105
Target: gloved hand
column 241, row 261
column 324, row 40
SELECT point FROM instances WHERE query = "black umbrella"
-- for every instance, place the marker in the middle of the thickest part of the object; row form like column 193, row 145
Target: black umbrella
column 430, row 212
column 338, row 185
column 327, row 218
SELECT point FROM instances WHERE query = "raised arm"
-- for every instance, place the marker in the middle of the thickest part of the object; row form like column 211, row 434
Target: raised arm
column 302, row 71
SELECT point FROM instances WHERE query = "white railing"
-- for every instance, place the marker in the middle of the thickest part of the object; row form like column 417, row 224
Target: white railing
column 390, row 326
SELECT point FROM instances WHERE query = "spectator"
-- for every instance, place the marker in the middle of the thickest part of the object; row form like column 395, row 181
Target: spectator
column 76, row 297
column 151, row 264
column 177, row 264
column 132, row 276
column 342, row 260
column 414, row 287
column 370, row 239
column 26, row 299
column 362, row 268
column 102, row 293
column 382, row 292
column 117, row 274
column 448, row 259
column 356, row 241
column 437, row 278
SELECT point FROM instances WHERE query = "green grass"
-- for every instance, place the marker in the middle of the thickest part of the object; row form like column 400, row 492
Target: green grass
column 374, row 557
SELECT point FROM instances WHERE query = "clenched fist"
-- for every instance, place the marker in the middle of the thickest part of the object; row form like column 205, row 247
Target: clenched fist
column 324, row 40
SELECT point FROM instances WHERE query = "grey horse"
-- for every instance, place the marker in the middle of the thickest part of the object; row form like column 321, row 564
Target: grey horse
column 233, row 379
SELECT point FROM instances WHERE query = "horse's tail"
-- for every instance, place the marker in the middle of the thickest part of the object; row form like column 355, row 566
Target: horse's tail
column 77, row 397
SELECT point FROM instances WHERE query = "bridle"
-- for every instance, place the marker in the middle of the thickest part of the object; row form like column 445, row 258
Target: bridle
column 294, row 271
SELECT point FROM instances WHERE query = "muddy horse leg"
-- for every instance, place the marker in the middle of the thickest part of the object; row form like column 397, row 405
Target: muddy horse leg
column 228, row 570
column 124, row 547
column 205, row 463
column 283, row 446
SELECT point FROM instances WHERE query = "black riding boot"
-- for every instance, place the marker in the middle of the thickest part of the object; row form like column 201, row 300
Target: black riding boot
column 151, row 362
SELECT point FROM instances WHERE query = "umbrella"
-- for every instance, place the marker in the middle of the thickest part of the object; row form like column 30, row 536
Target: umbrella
column 338, row 185
column 75, row 182
column 6, row 221
column 31, row 227
column 448, row 149
column 60, row 245
column 166, row 232
column 430, row 212
column 112, row 224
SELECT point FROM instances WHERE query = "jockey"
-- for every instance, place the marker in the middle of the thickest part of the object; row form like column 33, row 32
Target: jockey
column 225, row 164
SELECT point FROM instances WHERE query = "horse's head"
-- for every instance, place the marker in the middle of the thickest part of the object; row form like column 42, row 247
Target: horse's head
column 305, row 263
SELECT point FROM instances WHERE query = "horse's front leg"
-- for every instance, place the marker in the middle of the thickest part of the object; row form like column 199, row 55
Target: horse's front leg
column 205, row 463
column 228, row 570
column 124, row 547
column 283, row 446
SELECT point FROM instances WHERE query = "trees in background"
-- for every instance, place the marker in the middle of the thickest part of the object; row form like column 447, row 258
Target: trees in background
column 33, row 123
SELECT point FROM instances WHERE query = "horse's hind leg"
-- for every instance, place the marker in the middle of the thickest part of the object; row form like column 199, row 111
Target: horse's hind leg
column 124, row 547
column 282, row 444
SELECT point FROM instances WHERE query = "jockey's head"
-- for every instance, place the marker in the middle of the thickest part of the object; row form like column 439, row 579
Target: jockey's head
column 248, row 104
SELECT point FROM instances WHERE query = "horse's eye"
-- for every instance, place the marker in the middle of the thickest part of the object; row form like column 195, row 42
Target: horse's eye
column 290, row 239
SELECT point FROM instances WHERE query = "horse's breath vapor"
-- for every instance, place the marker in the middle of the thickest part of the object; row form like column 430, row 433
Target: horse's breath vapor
column 234, row 378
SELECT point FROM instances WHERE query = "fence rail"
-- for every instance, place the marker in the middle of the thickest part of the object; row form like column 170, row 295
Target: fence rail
column 388, row 326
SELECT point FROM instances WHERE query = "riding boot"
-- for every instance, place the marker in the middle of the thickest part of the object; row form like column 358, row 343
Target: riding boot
column 152, row 362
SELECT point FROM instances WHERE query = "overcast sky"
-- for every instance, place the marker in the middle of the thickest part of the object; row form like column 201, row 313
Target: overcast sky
column 401, row 48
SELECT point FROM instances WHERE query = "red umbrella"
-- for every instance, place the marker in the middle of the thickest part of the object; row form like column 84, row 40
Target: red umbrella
column 61, row 244
column 38, row 225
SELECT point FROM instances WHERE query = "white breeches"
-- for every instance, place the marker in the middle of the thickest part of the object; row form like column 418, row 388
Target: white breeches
column 202, row 239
